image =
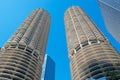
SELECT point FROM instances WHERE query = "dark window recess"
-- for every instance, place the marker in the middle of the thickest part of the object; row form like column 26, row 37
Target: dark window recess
column 27, row 53
column 84, row 44
column 20, row 71
column 107, row 65
column 22, row 68
column 16, row 79
column 93, row 64
column 7, row 72
column 30, row 76
column 110, row 68
column 25, row 65
column 21, row 76
column 96, row 72
column 5, row 76
column 94, row 68
column 29, row 50
column 25, row 61
column 13, row 61
column 93, row 41
column 78, row 48
column 35, row 54
column 72, row 52
column 21, row 47
column 14, row 58
column 9, row 68
column 101, row 40
column 13, row 46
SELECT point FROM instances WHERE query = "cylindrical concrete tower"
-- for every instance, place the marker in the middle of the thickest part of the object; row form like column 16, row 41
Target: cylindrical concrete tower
column 22, row 56
column 90, row 53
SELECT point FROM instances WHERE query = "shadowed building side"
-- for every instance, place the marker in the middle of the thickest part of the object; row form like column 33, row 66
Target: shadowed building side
column 110, row 10
column 90, row 53
column 23, row 54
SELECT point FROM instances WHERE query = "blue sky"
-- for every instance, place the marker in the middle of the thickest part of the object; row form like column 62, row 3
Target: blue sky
column 13, row 13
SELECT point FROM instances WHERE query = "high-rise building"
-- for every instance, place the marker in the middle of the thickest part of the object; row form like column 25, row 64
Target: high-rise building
column 111, row 13
column 91, row 55
column 22, row 56
column 48, row 69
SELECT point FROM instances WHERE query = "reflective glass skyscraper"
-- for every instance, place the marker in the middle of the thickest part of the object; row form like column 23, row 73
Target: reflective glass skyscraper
column 91, row 54
column 111, row 14
column 22, row 56
column 48, row 69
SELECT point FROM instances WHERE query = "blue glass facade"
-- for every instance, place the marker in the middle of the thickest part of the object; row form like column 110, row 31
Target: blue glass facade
column 48, row 69
column 111, row 13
